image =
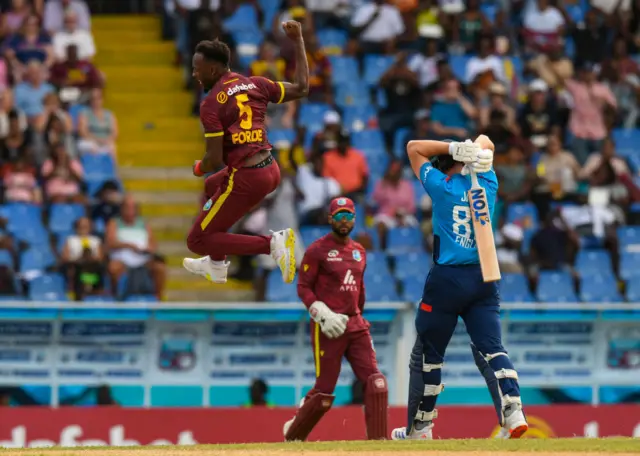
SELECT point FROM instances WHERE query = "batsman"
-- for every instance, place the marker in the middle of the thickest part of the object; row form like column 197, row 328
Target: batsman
column 331, row 286
column 455, row 287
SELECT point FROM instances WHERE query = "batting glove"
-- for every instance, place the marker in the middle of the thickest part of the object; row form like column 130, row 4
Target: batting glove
column 332, row 324
column 465, row 152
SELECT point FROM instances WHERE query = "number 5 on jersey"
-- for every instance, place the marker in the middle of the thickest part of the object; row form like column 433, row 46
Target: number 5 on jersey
column 246, row 114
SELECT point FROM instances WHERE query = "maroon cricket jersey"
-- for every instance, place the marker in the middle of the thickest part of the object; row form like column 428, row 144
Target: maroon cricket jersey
column 235, row 108
column 333, row 273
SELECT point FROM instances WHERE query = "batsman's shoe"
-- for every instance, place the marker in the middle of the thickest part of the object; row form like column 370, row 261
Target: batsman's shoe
column 216, row 273
column 515, row 423
column 426, row 433
column 283, row 245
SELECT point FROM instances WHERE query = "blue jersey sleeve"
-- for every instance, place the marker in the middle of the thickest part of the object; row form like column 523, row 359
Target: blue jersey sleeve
column 432, row 180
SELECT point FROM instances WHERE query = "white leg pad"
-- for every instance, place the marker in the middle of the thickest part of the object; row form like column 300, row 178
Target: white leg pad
column 506, row 373
column 430, row 367
column 426, row 416
column 433, row 390
column 490, row 356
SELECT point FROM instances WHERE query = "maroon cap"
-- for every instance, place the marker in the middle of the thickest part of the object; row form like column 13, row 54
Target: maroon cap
column 341, row 204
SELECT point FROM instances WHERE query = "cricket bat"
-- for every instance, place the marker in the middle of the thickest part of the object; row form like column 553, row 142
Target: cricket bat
column 481, row 218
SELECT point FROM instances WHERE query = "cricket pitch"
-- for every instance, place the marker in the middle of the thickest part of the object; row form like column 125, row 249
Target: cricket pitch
column 490, row 447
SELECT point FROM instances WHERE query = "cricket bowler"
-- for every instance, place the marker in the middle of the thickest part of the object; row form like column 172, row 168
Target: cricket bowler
column 455, row 287
column 331, row 286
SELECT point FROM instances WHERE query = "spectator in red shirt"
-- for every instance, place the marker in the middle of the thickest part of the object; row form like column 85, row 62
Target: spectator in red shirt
column 75, row 73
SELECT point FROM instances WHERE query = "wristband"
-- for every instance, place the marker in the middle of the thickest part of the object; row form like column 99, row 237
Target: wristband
column 452, row 145
column 197, row 171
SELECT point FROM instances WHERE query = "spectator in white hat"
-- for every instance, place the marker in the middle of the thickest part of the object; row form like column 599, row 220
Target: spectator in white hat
column 327, row 138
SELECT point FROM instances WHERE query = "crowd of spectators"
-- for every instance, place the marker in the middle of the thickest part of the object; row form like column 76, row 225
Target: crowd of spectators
column 554, row 84
column 66, row 229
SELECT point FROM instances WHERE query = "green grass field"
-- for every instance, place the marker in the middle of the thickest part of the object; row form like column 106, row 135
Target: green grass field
column 438, row 447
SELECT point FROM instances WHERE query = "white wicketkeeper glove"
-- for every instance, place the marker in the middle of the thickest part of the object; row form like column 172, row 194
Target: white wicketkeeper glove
column 332, row 324
column 465, row 152
column 482, row 165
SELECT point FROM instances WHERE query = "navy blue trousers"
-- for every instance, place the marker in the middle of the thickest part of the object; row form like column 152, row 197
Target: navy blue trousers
column 459, row 291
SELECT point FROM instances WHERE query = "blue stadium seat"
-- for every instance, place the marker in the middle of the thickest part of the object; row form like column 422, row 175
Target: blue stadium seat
column 63, row 216
column 20, row 215
column 458, row 64
column 282, row 136
column 629, row 238
column 375, row 66
column 404, row 240
column 413, row 264
column 370, row 142
column 377, row 268
column 514, row 288
column 311, row 115
column 593, row 262
column 344, row 70
column 524, row 214
column 356, row 118
column 270, row 9
column 352, row 95
column 489, row 10
column 36, row 259
column 61, row 240
column 97, row 298
column 626, row 141
column 375, row 238
column 556, row 287
column 47, row 287
column 412, row 288
column 98, row 167
column 310, row 234
column 630, row 265
column 600, row 288
column 6, row 259
column 332, row 41
column 378, row 165
column 633, row 290
column 243, row 19
column 35, row 235
column 278, row 291
column 380, row 289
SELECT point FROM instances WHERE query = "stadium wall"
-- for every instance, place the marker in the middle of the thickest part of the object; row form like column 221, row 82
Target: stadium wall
column 40, row 427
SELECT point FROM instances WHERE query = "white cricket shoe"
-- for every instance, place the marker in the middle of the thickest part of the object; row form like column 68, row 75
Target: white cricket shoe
column 515, row 424
column 426, row 433
column 216, row 273
column 283, row 245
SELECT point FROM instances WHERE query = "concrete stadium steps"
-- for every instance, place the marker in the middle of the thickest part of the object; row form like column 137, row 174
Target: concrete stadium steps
column 146, row 106
column 152, row 54
column 164, row 154
column 162, row 129
column 159, row 140
column 158, row 80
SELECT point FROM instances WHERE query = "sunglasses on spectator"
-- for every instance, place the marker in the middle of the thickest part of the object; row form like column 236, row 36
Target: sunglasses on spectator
column 340, row 216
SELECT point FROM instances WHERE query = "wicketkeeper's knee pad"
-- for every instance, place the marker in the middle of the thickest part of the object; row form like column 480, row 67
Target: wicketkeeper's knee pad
column 376, row 400
column 309, row 414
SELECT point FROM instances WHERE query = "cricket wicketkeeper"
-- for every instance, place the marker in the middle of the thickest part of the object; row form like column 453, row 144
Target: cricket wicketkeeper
column 331, row 286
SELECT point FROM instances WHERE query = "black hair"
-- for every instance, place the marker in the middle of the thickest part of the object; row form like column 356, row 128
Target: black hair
column 443, row 162
column 214, row 51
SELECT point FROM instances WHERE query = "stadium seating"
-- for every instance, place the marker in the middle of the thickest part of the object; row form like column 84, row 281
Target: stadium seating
column 357, row 117
column 413, row 264
column 375, row 66
column 63, row 216
column 332, row 41
column 344, row 70
column 48, row 287
column 523, row 214
column 629, row 238
column 556, row 287
column 412, row 287
column 593, row 262
column 514, row 288
column 6, row 259
column 600, row 288
column 402, row 240
column 312, row 115
column 370, row 142
column 348, row 95
column 630, row 265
